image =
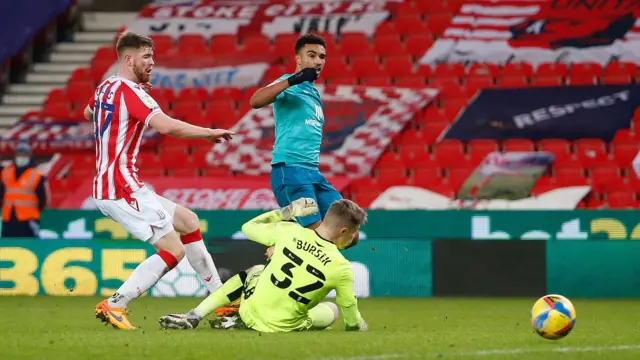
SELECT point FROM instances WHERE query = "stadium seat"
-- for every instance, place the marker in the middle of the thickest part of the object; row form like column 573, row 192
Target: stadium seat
column 512, row 82
column 556, row 69
column 192, row 44
column 228, row 93
column 482, row 146
column 623, row 154
column 256, row 45
column 365, row 66
column 547, row 81
column 398, row 65
column 518, row 145
column 555, row 146
column 417, row 44
column 355, row 44
column 411, row 24
column 376, row 81
column 386, row 28
column 438, row 22
column 586, row 69
column 162, row 44
column 194, row 94
column 388, row 45
column 57, row 96
column 223, row 44
column 516, row 70
column 410, row 82
column 450, row 147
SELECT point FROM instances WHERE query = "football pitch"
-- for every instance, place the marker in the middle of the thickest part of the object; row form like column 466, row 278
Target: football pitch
column 436, row 328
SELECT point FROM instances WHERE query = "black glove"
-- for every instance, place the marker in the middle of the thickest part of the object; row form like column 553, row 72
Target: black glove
column 306, row 74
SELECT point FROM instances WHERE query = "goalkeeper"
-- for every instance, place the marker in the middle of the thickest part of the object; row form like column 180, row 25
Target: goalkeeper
column 284, row 295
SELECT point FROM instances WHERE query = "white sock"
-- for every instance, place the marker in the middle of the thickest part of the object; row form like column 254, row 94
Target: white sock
column 201, row 261
column 142, row 279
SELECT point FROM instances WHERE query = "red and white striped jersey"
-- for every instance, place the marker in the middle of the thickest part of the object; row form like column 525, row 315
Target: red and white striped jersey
column 121, row 112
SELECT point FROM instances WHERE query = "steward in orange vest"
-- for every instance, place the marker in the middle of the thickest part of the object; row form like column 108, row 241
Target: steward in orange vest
column 24, row 195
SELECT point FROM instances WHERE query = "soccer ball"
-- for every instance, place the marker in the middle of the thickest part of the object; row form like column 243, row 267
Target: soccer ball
column 553, row 316
column 180, row 281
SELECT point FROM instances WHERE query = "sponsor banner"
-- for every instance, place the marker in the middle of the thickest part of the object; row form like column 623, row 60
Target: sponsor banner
column 52, row 137
column 537, row 31
column 509, row 175
column 32, row 267
column 269, row 18
column 413, row 198
column 202, row 193
column 431, row 224
column 360, row 122
column 179, row 72
column 570, row 113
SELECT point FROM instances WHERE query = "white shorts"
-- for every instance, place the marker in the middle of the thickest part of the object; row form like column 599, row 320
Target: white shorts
column 146, row 215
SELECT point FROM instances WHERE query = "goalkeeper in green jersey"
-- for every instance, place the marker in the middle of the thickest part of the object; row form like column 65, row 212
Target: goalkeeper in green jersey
column 304, row 266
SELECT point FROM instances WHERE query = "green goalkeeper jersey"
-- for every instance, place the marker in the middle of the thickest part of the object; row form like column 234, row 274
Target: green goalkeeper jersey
column 304, row 268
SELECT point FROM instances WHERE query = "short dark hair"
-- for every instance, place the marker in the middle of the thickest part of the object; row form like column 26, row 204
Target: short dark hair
column 310, row 38
column 130, row 40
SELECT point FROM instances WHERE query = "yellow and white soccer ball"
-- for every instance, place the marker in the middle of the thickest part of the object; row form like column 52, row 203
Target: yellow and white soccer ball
column 553, row 316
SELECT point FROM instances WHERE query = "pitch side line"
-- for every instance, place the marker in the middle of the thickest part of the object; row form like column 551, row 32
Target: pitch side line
column 489, row 352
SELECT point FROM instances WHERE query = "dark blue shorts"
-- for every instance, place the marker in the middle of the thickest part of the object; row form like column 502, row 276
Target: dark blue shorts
column 292, row 182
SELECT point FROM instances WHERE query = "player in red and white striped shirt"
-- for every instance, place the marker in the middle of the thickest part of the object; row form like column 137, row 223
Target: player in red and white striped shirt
column 121, row 110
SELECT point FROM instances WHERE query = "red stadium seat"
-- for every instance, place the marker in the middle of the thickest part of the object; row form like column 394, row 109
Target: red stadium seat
column 480, row 82
column 449, row 146
column 437, row 23
column 482, row 146
column 518, row 145
column 417, row 44
column 621, row 67
column 59, row 95
column 386, row 28
column 388, row 45
column 194, row 94
column 556, row 146
column 556, row 69
column 410, row 82
column 517, row 69
column 376, row 81
column 623, row 154
column 450, row 70
column 59, row 111
column 616, row 79
column 162, row 44
column 364, row 66
column 576, row 80
column 80, row 92
column 105, row 53
column 223, row 44
column 355, row 44
column 484, row 70
column 547, row 81
column 411, row 24
column 256, row 45
column 228, row 93
column 185, row 108
column 586, row 69
column 192, row 44
column 399, row 65
column 513, row 82
column 590, row 145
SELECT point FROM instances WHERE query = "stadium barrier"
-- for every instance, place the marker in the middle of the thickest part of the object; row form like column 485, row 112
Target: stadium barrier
column 452, row 224
column 383, row 267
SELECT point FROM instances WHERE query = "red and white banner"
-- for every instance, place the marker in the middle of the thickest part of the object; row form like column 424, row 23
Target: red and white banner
column 52, row 137
column 210, row 17
column 360, row 122
column 181, row 71
column 202, row 193
column 536, row 31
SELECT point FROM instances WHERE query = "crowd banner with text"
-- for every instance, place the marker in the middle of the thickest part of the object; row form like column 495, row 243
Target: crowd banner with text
column 196, row 193
column 540, row 31
column 570, row 113
column 359, row 123
column 270, row 18
column 431, row 224
column 179, row 71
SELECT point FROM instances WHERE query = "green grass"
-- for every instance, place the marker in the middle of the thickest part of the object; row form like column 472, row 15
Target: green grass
column 64, row 328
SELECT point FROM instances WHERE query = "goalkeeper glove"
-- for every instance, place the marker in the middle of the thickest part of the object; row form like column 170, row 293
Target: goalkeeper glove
column 299, row 208
column 306, row 74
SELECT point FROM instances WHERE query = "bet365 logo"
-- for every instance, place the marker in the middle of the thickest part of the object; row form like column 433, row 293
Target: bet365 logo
column 482, row 228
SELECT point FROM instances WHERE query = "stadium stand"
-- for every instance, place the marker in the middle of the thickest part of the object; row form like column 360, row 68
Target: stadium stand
column 391, row 56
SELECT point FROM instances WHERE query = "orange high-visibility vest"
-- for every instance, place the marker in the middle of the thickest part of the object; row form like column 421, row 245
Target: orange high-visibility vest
column 20, row 194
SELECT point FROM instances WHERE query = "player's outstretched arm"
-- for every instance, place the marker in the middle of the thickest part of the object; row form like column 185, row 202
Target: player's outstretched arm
column 269, row 93
column 180, row 129
column 348, row 304
column 263, row 227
